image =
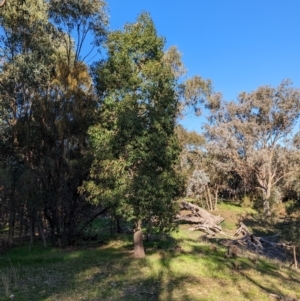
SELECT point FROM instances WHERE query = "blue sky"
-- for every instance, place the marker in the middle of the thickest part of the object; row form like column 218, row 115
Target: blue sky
column 239, row 45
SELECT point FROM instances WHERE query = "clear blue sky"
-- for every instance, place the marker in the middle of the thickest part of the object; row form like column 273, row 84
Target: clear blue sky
column 239, row 45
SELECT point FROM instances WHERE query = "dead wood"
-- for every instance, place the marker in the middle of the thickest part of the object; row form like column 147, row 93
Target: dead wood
column 204, row 220
column 243, row 229
column 190, row 218
column 207, row 228
column 201, row 213
column 269, row 246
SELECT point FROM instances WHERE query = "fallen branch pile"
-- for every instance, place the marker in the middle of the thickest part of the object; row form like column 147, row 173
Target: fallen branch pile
column 268, row 246
column 204, row 220
column 242, row 239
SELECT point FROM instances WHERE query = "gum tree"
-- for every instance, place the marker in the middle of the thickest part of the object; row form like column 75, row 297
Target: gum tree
column 254, row 136
column 47, row 104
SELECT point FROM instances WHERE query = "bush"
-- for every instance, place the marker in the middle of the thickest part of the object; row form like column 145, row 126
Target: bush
column 247, row 202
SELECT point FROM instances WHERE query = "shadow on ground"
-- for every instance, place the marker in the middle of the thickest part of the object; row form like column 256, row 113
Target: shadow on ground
column 174, row 269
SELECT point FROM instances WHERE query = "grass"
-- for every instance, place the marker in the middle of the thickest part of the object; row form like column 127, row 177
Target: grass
column 183, row 267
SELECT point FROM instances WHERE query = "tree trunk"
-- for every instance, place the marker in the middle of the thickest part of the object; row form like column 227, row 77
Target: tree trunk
column 11, row 228
column 209, row 205
column 2, row 3
column 139, row 251
column 52, row 225
column 295, row 258
column 40, row 227
column 267, row 211
column 266, row 203
column 216, row 198
column 12, row 210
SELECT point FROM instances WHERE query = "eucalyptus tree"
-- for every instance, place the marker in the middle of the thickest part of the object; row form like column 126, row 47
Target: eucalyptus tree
column 203, row 179
column 192, row 146
column 47, row 104
column 26, row 50
column 83, row 22
column 254, row 136
column 193, row 92
column 135, row 147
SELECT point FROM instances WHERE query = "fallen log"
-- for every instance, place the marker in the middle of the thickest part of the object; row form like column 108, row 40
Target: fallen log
column 201, row 213
column 208, row 228
column 269, row 246
column 191, row 219
column 204, row 220
column 243, row 229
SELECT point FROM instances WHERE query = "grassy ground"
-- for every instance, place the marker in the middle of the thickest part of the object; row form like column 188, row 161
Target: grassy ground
column 184, row 267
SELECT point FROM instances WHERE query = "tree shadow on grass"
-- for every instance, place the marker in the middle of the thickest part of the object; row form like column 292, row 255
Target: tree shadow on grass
column 271, row 278
column 103, row 273
column 110, row 273
column 270, row 287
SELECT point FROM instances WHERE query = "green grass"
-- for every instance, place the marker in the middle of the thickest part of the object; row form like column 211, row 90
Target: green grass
column 182, row 267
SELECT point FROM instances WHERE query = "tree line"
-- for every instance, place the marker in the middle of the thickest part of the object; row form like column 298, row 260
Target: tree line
column 81, row 139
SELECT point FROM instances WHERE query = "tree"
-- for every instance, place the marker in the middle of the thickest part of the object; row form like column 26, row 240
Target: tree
column 192, row 147
column 135, row 147
column 81, row 21
column 26, row 51
column 197, row 184
column 47, row 104
column 254, row 135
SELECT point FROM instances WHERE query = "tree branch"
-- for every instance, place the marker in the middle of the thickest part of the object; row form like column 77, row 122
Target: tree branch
column 2, row 3
column 284, row 175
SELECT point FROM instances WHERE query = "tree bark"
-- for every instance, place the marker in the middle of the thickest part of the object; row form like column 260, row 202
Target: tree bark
column 201, row 214
column 266, row 203
column 206, row 221
column 267, row 211
column 11, row 230
column 2, row 3
column 40, row 227
column 208, row 199
column 295, row 258
column 139, row 251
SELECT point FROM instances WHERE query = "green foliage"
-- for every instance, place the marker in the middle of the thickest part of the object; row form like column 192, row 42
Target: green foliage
column 254, row 136
column 46, row 107
column 80, row 19
column 195, row 91
column 135, row 148
column 276, row 196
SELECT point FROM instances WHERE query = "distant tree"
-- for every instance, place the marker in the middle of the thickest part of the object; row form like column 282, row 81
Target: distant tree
column 135, row 147
column 254, row 136
column 192, row 146
column 197, row 184
column 194, row 91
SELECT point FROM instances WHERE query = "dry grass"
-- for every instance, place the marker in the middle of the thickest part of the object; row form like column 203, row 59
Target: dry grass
column 184, row 267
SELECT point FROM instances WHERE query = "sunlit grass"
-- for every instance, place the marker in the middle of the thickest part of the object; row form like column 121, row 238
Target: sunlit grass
column 182, row 267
